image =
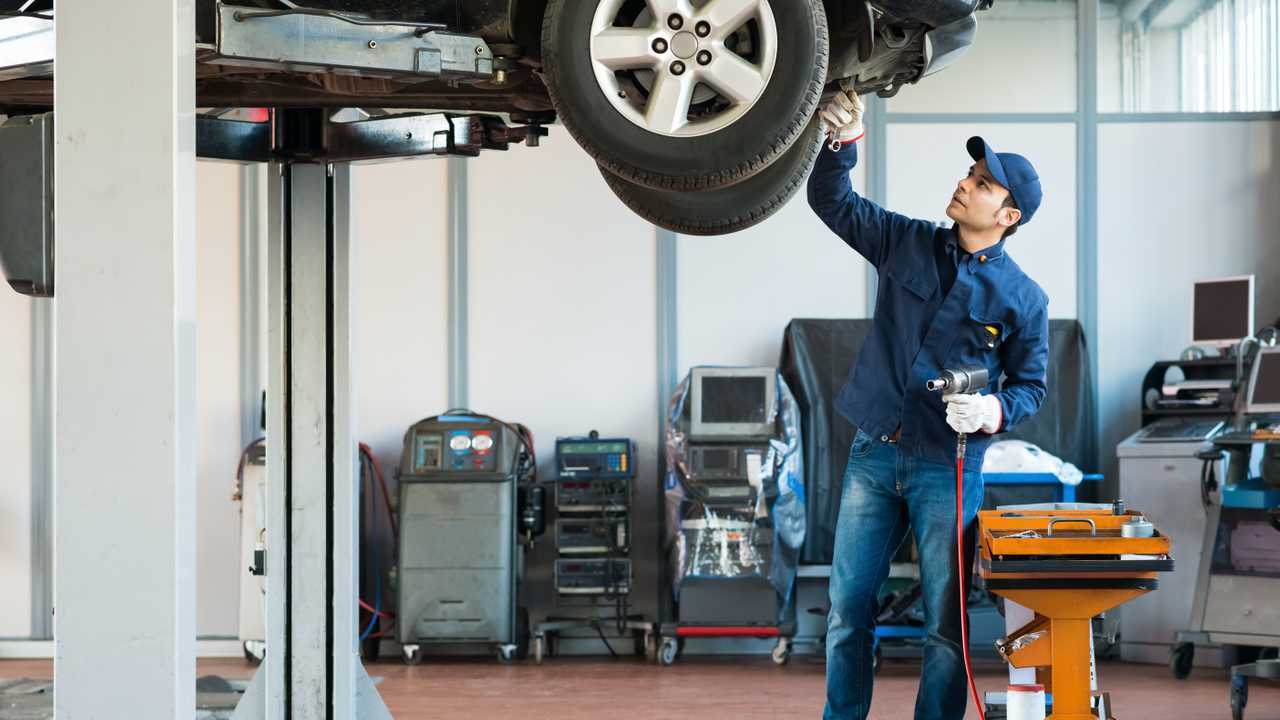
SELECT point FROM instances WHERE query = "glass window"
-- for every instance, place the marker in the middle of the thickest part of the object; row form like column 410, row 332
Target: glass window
column 1210, row 56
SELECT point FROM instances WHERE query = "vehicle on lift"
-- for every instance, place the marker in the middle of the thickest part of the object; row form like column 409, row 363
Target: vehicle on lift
column 668, row 96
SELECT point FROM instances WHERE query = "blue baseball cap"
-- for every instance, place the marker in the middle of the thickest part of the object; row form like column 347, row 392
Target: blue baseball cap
column 1012, row 171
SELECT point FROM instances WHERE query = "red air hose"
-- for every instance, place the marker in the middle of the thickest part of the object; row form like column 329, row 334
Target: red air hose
column 960, row 575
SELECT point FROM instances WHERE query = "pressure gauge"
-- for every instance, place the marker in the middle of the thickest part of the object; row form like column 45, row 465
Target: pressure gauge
column 482, row 443
column 460, row 442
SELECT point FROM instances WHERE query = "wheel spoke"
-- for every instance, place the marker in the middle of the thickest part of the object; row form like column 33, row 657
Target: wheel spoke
column 623, row 48
column 735, row 78
column 726, row 16
column 668, row 107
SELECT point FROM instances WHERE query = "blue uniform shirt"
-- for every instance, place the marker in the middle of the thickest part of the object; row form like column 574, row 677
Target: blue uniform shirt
column 993, row 315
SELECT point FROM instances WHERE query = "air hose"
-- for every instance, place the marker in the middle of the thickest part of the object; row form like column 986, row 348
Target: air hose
column 957, row 381
column 961, row 445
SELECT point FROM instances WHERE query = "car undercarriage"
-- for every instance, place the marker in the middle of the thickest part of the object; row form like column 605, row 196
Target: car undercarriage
column 667, row 96
column 882, row 50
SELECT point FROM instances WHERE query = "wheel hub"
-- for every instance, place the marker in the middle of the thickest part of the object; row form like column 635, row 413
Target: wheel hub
column 684, row 45
column 682, row 57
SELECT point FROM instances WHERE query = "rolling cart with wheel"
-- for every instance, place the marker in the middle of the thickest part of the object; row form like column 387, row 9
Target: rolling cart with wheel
column 734, row 511
column 594, row 489
column 1239, row 574
column 674, row 634
column 467, row 508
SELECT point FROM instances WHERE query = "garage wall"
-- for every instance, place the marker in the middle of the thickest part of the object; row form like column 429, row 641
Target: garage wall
column 926, row 162
column 736, row 293
column 1176, row 202
column 401, row 294
column 1023, row 60
column 562, row 318
column 15, row 472
column 217, row 397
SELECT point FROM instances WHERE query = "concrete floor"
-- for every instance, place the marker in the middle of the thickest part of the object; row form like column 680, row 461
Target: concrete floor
column 718, row 688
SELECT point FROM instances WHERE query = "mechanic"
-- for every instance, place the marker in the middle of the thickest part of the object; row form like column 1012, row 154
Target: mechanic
column 947, row 298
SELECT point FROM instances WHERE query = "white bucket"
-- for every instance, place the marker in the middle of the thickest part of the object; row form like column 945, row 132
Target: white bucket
column 1025, row 702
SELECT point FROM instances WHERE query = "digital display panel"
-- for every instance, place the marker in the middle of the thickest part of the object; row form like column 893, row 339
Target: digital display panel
column 593, row 448
column 734, row 400
column 1221, row 310
column 1266, row 386
column 717, row 459
column 427, row 452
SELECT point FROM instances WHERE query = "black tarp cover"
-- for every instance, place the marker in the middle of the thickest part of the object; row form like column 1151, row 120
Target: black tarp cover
column 817, row 356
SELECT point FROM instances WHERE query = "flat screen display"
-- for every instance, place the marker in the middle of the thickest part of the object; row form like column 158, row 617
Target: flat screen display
column 717, row 459
column 734, row 400
column 1266, row 386
column 1221, row 310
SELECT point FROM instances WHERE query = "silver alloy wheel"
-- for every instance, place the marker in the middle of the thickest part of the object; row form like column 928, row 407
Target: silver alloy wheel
column 687, row 49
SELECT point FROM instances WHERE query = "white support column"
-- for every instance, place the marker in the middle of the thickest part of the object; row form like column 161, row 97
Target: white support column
column 312, row 669
column 346, row 457
column 309, row 439
column 125, row 366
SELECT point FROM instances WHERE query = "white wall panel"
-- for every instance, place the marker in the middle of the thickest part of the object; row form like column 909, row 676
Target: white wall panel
column 926, row 162
column 1176, row 202
column 15, row 472
column 401, row 297
column 562, row 329
column 736, row 293
column 1023, row 60
column 217, row 397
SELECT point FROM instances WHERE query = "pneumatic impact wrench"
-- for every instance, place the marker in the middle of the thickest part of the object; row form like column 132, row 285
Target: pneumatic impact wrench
column 963, row 381
column 960, row 382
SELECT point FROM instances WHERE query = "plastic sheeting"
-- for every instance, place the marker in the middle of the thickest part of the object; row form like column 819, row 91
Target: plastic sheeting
column 817, row 356
column 1019, row 456
column 749, row 539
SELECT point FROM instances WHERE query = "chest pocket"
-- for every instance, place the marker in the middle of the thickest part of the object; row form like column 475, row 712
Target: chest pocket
column 915, row 283
column 978, row 342
column 987, row 334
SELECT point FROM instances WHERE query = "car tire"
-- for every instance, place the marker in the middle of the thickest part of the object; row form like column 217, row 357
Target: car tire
column 758, row 133
column 729, row 209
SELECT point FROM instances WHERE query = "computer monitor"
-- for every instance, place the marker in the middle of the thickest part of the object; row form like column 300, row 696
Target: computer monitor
column 730, row 403
column 1222, row 310
column 1264, row 383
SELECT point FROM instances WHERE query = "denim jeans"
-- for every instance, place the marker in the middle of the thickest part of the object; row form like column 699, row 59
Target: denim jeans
column 885, row 494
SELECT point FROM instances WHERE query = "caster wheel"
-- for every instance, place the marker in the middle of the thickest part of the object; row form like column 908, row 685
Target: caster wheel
column 411, row 654
column 781, row 652
column 1239, row 696
column 1181, row 659
column 254, row 651
column 539, row 647
column 669, row 651
column 506, row 654
column 650, row 647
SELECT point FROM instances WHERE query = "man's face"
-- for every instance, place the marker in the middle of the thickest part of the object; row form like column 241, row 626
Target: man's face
column 978, row 202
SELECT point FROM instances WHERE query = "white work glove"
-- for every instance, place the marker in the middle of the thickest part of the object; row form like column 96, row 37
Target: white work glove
column 971, row 413
column 842, row 116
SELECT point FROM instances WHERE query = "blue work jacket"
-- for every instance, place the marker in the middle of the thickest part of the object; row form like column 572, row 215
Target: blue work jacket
column 994, row 316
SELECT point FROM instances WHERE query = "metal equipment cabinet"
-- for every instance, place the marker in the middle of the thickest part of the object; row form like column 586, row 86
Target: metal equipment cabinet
column 1163, row 478
column 458, row 571
column 1234, row 606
